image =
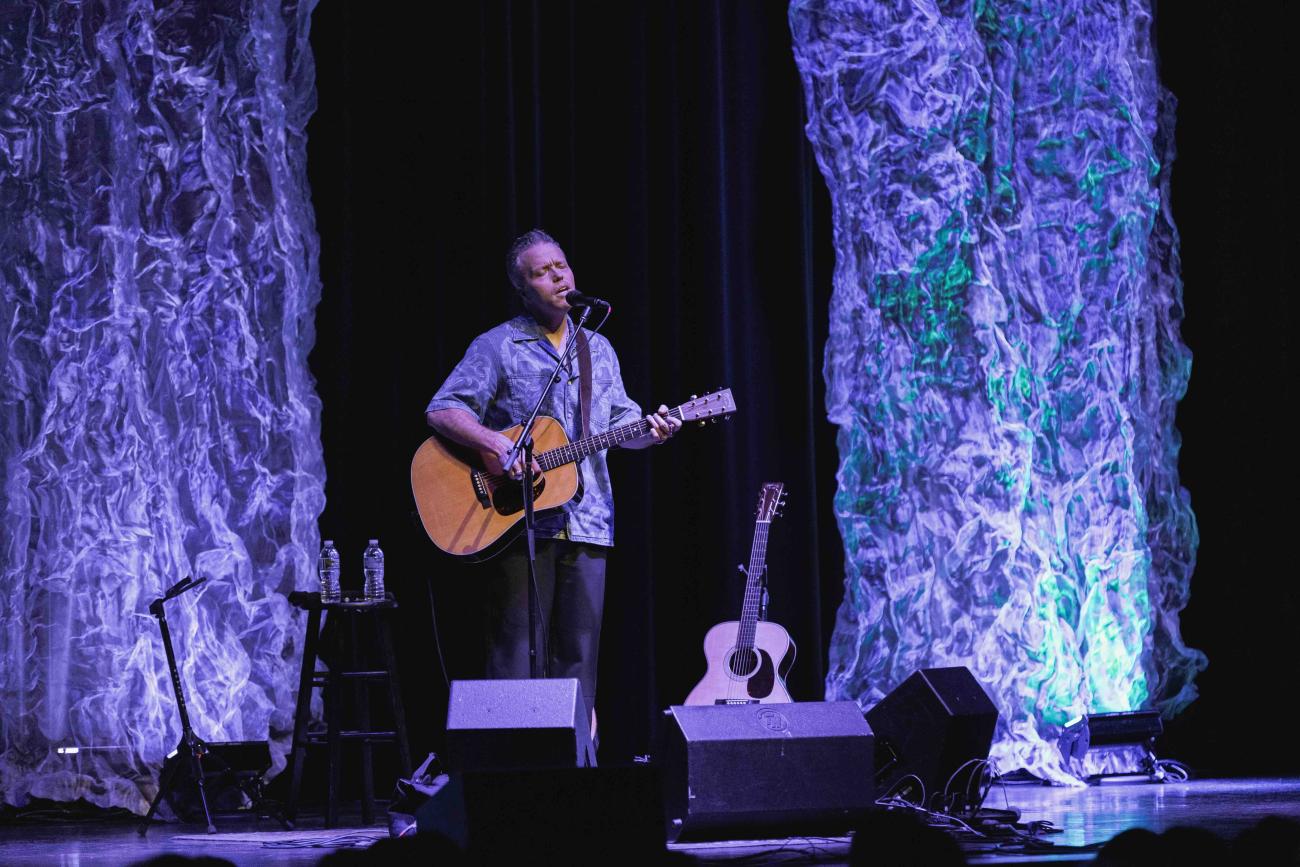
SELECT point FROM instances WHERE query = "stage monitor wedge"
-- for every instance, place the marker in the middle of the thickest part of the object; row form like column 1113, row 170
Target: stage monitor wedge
column 937, row 726
column 768, row 770
column 514, row 724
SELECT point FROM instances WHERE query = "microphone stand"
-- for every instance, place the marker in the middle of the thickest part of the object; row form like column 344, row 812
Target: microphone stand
column 537, row 667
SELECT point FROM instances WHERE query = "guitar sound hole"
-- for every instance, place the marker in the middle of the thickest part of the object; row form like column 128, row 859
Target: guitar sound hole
column 507, row 499
column 743, row 663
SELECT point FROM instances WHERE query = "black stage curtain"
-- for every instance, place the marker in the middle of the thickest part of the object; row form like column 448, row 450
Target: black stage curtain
column 662, row 144
column 1233, row 201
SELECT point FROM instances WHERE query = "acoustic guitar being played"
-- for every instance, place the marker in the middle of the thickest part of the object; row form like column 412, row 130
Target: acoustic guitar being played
column 749, row 659
column 472, row 513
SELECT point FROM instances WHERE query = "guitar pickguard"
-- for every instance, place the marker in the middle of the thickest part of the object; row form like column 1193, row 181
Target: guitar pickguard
column 761, row 683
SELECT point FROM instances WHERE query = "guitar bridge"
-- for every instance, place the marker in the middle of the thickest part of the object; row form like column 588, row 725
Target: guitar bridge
column 480, row 489
column 736, row 701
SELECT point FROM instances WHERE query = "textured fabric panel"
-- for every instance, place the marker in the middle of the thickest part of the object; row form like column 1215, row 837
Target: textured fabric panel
column 1004, row 359
column 158, row 281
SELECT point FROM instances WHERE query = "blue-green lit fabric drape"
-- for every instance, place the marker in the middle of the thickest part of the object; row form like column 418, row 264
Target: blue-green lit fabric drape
column 1004, row 358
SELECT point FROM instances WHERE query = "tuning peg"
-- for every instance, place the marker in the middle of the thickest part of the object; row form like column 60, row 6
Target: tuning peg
column 704, row 424
column 695, row 397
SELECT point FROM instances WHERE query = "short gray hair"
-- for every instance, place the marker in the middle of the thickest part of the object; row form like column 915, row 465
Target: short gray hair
column 522, row 243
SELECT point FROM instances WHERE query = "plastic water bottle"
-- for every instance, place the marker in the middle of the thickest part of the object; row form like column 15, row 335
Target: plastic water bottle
column 372, row 563
column 328, row 567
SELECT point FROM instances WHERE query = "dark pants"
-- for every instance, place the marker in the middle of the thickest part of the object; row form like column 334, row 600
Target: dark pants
column 571, row 594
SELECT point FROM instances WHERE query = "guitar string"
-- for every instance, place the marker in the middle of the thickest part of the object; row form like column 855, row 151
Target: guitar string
column 753, row 599
column 744, row 647
column 733, row 678
column 571, row 452
column 576, row 451
column 753, row 595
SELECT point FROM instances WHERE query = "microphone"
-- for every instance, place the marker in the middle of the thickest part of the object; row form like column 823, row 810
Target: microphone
column 577, row 299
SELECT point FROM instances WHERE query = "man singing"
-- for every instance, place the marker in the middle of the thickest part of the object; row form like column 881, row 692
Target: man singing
column 494, row 387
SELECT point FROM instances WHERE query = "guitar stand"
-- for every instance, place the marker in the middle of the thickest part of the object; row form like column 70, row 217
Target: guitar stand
column 191, row 746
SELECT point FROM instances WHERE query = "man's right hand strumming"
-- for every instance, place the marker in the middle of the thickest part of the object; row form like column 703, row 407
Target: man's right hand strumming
column 494, row 446
column 495, row 456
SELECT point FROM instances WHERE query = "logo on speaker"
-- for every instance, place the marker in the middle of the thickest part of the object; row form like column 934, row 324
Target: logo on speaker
column 773, row 721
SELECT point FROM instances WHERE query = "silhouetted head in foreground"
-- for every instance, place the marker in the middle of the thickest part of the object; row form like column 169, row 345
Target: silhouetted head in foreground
column 1274, row 840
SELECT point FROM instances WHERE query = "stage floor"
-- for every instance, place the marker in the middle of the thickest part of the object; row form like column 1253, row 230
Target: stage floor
column 1086, row 816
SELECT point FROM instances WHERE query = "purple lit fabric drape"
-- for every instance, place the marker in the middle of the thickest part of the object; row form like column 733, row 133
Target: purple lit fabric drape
column 158, row 280
column 1004, row 358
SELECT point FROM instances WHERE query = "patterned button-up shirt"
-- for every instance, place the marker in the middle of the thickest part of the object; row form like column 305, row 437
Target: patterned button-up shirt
column 499, row 378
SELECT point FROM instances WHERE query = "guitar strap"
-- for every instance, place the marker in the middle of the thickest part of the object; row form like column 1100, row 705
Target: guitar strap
column 584, row 382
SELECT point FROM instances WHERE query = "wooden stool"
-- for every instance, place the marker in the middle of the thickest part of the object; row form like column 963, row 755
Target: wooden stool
column 332, row 681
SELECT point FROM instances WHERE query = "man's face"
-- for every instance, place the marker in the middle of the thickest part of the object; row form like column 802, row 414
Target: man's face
column 546, row 278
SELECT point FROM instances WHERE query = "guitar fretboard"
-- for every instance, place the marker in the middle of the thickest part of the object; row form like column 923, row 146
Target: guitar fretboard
column 579, row 449
column 753, row 587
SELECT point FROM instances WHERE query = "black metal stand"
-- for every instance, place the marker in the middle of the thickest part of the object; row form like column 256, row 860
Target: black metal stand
column 190, row 745
column 537, row 665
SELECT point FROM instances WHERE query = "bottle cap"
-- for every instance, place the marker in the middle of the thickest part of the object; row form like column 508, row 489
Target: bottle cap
column 329, row 543
column 374, row 541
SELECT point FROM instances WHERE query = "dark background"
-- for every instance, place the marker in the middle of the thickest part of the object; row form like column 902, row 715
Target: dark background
column 1232, row 182
column 662, row 144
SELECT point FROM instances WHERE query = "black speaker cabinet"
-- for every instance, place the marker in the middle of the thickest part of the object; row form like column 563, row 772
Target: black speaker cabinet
column 733, row 771
column 507, row 724
column 937, row 726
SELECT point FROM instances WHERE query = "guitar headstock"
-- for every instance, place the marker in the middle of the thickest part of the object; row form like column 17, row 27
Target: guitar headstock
column 770, row 500
column 711, row 407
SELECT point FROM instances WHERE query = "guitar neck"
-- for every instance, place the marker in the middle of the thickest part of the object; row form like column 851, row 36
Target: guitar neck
column 579, row 449
column 753, row 586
